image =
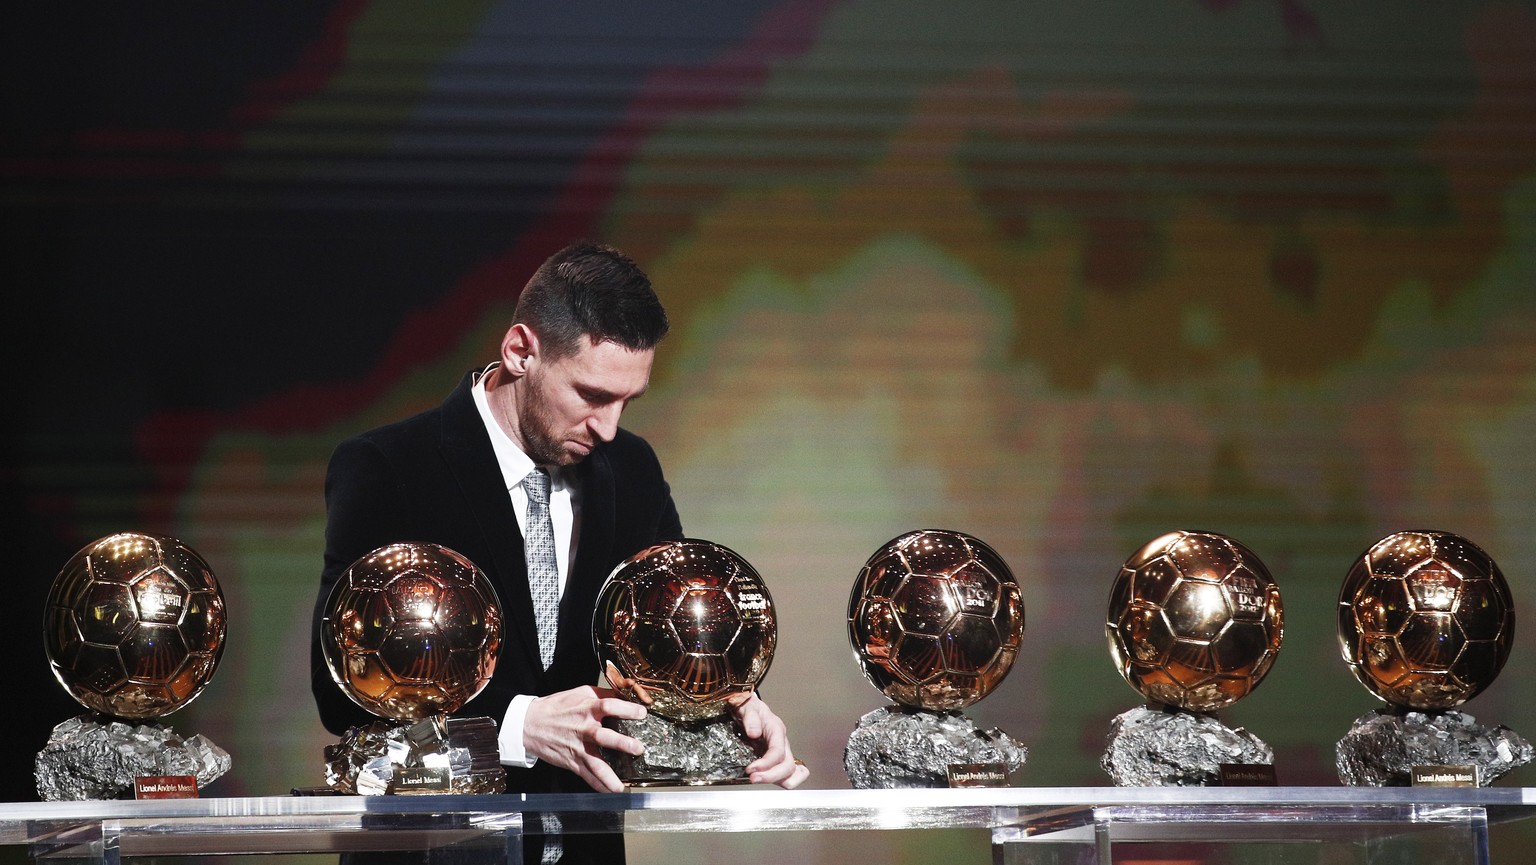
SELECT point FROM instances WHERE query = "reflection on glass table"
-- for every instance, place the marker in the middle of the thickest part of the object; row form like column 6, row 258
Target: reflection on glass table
column 1041, row 826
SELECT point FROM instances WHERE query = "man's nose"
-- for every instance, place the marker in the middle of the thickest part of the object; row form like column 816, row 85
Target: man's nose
column 604, row 422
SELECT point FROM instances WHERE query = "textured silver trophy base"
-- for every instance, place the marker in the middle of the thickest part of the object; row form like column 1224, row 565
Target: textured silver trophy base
column 1382, row 747
column 92, row 757
column 894, row 746
column 708, row 751
column 1156, row 747
column 437, row 754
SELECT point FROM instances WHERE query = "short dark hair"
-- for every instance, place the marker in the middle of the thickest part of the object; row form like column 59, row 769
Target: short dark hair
column 589, row 289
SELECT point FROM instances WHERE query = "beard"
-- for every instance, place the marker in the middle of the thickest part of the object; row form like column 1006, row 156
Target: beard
column 536, row 423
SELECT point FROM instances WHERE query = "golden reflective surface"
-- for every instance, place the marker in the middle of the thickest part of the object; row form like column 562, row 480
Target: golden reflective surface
column 935, row 618
column 134, row 625
column 1194, row 621
column 1425, row 620
column 412, row 630
column 684, row 627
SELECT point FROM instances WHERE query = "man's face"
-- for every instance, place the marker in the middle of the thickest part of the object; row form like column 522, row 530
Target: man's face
column 566, row 406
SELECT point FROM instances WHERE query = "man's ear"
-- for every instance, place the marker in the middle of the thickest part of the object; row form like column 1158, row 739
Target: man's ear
column 517, row 347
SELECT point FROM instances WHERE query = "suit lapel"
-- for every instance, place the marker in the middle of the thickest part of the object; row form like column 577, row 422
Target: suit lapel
column 592, row 550
column 466, row 447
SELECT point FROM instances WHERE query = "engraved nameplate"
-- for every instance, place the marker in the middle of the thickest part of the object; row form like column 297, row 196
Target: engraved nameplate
column 420, row 779
column 1247, row 774
column 1445, row 776
column 977, row 774
column 165, row 787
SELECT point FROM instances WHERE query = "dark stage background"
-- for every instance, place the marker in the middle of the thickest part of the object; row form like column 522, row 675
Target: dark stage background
column 1061, row 275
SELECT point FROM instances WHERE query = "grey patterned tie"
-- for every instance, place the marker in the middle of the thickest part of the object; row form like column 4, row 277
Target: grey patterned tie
column 543, row 572
column 544, row 585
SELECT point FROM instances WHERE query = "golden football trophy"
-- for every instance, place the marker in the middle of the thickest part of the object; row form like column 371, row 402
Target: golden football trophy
column 935, row 618
column 134, row 628
column 686, row 628
column 1194, row 624
column 410, row 633
column 1426, row 621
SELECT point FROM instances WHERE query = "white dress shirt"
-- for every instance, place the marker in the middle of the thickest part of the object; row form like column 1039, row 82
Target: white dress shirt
column 564, row 507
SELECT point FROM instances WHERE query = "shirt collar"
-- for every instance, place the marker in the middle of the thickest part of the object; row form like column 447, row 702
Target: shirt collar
column 514, row 464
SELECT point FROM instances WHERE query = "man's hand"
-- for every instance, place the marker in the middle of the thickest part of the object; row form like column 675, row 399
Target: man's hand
column 775, row 764
column 566, row 729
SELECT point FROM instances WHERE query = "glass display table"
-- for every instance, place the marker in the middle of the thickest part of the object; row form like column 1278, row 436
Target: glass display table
column 1047, row 825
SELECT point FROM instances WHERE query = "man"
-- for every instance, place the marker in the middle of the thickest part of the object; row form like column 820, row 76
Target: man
column 466, row 475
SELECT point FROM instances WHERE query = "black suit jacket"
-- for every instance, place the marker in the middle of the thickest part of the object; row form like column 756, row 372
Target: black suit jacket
column 434, row 478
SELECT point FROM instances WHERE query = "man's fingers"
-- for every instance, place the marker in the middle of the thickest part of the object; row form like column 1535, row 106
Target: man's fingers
column 614, row 707
column 774, row 764
column 566, row 729
column 751, row 724
column 749, row 710
column 771, row 737
column 788, row 774
column 775, row 750
column 600, row 776
column 613, row 740
column 775, row 773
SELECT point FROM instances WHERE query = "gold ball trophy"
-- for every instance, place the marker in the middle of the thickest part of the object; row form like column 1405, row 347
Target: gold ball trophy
column 1194, row 624
column 134, row 627
column 1425, row 623
column 935, row 618
column 686, row 628
column 410, row 633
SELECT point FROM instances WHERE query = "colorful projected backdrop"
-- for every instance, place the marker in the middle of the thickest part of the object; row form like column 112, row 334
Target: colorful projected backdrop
column 1060, row 275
